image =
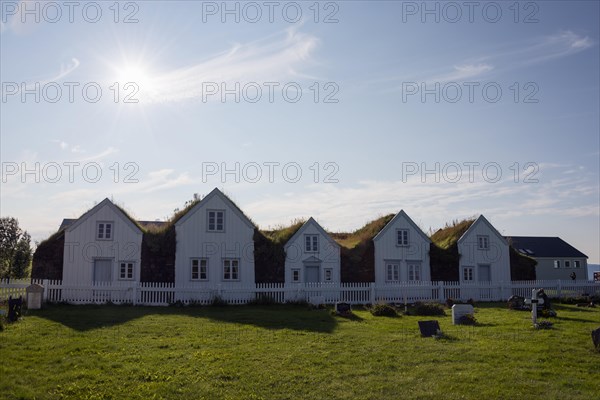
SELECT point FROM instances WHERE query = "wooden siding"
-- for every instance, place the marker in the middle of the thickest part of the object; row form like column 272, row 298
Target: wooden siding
column 195, row 241
column 81, row 247
column 297, row 256
column 387, row 249
column 497, row 256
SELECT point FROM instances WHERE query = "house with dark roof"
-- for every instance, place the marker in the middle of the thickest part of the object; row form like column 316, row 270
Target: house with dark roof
column 556, row 259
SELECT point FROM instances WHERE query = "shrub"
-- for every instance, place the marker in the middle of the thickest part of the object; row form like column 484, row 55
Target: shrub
column 383, row 310
column 301, row 303
column 449, row 302
column 427, row 309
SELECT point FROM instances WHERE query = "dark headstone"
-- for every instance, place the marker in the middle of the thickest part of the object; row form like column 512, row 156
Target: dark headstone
column 14, row 308
column 429, row 328
column 516, row 303
column 596, row 338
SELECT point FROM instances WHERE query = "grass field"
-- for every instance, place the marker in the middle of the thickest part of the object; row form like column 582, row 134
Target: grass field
column 290, row 352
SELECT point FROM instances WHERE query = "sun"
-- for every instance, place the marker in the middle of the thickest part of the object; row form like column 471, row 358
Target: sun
column 137, row 80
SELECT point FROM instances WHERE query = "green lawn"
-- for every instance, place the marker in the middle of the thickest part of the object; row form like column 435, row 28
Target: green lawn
column 289, row 352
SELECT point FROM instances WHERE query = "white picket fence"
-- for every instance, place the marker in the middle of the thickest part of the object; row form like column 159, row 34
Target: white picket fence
column 160, row 294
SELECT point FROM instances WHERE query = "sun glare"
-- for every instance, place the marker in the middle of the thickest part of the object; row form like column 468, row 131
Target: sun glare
column 140, row 77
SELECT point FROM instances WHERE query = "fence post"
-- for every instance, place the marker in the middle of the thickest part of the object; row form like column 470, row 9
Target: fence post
column 441, row 292
column 559, row 288
column 45, row 292
column 134, row 293
column 372, row 292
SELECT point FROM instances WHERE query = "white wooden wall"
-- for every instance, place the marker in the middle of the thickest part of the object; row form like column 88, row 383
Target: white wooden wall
column 194, row 241
column 386, row 249
column 497, row 256
column 329, row 254
column 82, row 247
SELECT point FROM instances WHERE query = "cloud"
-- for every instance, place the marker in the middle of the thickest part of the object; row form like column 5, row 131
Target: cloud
column 271, row 59
column 535, row 51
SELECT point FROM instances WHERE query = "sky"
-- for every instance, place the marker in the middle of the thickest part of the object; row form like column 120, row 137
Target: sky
column 340, row 110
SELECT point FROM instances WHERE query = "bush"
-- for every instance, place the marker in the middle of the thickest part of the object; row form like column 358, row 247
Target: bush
column 428, row 309
column 383, row 310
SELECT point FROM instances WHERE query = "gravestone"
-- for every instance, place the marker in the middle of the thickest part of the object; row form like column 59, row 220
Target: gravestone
column 516, row 303
column 596, row 338
column 460, row 310
column 343, row 308
column 429, row 328
column 35, row 294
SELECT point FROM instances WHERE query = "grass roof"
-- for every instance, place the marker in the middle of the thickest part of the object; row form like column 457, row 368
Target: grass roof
column 450, row 233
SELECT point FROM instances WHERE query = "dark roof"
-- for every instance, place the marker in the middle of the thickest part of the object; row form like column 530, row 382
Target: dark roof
column 144, row 224
column 541, row 246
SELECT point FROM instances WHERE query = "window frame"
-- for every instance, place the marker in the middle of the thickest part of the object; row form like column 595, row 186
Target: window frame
column 556, row 264
column 126, row 264
column 402, row 237
column 105, row 224
column 568, row 264
column 232, row 272
column 311, row 243
column 295, row 274
column 216, row 213
column 200, row 261
column 470, row 275
column 576, row 264
column 486, row 242
column 414, row 269
column 395, row 271
column 328, row 271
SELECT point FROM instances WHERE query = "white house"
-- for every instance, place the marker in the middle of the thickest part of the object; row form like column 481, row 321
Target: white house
column 484, row 254
column 103, row 245
column 312, row 255
column 401, row 252
column 215, row 246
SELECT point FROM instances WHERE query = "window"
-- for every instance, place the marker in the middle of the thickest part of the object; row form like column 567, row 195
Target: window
column 328, row 275
column 311, row 243
column 216, row 220
column 393, row 272
column 295, row 275
column 126, row 270
column 199, row 269
column 104, row 231
column 414, row 272
column 556, row 263
column 567, row 264
column 231, row 269
column 402, row 237
column 576, row 264
column 483, row 242
column 468, row 274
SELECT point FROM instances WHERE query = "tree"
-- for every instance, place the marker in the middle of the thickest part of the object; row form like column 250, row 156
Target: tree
column 15, row 249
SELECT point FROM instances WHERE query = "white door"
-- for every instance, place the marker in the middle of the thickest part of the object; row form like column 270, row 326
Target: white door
column 103, row 270
column 312, row 273
column 484, row 273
